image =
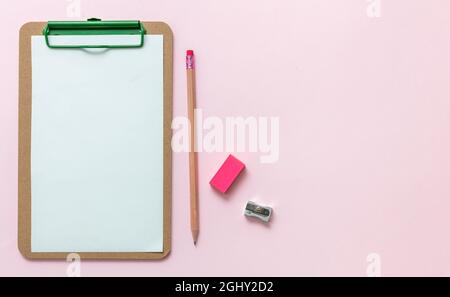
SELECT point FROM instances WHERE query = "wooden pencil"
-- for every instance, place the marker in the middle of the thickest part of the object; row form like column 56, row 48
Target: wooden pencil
column 193, row 171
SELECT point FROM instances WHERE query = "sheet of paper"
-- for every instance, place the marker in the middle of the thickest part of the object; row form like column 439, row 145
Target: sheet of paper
column 97, row 148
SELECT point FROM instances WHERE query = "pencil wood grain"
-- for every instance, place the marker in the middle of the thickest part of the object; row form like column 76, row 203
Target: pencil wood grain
column 193, row 171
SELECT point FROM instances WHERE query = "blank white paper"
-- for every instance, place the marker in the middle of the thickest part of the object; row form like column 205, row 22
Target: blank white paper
column 97, row 148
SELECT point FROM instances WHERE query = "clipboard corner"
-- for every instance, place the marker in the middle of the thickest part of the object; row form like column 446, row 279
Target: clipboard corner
column 24, row 249
column 26, row 27
column 159, row 27
column 30, row 28
column 165, row 253
column 165, row 28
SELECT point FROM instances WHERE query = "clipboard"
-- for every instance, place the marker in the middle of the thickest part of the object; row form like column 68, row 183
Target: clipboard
column 93, row 27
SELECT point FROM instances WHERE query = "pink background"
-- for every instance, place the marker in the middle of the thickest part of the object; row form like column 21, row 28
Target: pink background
column 365, row 135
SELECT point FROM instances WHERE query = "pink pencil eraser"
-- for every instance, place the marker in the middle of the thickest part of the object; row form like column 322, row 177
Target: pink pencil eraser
column 227, row 174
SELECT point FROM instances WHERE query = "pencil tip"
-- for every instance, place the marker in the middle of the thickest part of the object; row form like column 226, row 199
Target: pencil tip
column 195, row 243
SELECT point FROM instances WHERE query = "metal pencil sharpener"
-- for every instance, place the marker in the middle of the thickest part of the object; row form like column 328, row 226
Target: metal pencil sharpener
column 264, row 213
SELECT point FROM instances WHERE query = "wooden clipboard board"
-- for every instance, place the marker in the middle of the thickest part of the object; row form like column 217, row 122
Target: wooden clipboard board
column 24, row 170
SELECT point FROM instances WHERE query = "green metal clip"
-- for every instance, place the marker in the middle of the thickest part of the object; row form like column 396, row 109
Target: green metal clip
column 94, row 27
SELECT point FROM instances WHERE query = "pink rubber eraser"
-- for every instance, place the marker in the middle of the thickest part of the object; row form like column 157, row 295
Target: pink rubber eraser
column 227, row 174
